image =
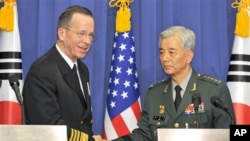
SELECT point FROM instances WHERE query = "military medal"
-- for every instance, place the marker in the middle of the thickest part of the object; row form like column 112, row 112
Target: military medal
column 162, row 109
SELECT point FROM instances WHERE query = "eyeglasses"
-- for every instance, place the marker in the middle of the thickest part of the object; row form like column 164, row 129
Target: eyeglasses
column 81, row 34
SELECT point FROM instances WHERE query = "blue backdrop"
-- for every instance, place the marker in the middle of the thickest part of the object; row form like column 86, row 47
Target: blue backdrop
column 213, row 21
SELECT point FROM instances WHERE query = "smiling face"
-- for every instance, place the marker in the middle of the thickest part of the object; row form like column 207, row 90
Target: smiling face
column 174, row 58
column 75, row 40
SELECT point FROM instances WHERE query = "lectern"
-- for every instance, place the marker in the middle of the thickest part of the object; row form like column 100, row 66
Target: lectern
column 33, row 133
column 164, row 134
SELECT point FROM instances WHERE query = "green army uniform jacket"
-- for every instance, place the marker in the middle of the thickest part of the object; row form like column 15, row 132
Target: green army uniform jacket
column 159, row 110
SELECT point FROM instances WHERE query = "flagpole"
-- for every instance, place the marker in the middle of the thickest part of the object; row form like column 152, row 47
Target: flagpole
column 123, row 106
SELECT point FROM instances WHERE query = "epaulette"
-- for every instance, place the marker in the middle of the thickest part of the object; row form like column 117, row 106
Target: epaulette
column 159, row 83
column 209, row 78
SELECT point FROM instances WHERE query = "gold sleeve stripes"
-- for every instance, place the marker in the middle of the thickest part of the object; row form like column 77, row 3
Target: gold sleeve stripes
column 77, row 135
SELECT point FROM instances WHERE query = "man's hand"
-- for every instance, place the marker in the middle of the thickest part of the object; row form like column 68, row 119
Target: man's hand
column 98, row 138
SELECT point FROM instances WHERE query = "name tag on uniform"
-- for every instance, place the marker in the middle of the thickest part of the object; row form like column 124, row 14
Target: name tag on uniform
column 159, row 118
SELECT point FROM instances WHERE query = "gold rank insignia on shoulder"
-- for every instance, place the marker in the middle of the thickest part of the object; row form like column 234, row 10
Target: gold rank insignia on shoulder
column 158, row 83
column 209, row 78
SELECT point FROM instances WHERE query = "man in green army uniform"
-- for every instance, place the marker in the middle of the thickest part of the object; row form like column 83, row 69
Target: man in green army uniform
column 195, row 109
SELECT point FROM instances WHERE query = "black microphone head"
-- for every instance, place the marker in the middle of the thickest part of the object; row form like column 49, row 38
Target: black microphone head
column 13, row 80
column 196, row 98
column 218, row 103
column 215, row 100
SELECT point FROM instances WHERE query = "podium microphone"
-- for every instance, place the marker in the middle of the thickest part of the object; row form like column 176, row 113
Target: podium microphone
column 218, row 103
column 14, row 83
column 196, row 100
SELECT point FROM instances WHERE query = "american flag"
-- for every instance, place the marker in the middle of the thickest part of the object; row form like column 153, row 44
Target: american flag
column 123, row 101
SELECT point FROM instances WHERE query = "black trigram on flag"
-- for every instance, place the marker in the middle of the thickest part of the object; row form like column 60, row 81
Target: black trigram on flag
column 239, row 79
column 10, row 64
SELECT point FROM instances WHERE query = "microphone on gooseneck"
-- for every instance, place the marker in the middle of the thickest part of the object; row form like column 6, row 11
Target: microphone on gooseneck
column 218, row 103
column 196, row 100
column 14, row 83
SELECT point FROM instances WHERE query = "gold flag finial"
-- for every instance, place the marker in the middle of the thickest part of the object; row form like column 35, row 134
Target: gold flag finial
column 123, row 15
column 7, row 15
column 242, row 17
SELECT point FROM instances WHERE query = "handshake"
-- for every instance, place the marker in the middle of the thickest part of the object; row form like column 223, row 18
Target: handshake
column 98, row 138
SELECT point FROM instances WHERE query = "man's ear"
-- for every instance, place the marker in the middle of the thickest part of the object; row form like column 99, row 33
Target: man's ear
column 190, row 55
column 61, row 33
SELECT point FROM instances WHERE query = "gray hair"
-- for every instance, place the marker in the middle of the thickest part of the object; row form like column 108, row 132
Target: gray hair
column 186, row 35
column 65, row 18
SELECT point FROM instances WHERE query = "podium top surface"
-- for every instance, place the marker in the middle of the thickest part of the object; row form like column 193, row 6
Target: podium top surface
column 33, row 133
column 193, row 134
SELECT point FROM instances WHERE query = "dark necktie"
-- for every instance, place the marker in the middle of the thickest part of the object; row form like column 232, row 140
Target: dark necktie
column 75, row 69
column 77, row 73
column 178, row 97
